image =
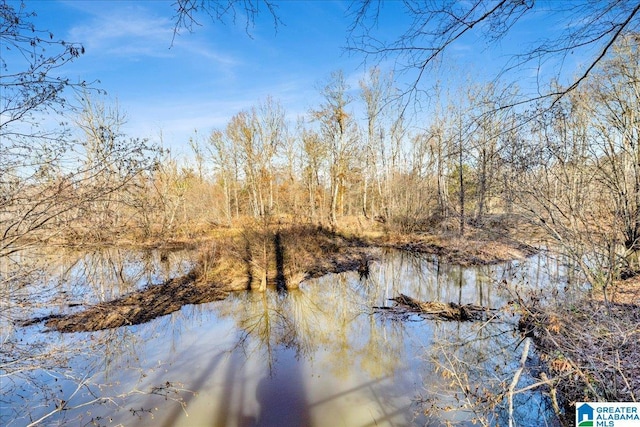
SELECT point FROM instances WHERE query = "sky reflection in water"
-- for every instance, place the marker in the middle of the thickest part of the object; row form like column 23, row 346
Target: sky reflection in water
column 317, row 356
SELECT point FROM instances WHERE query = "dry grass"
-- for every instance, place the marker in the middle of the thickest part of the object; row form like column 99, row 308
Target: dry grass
column 494, row 239
column 625, row 291
column 278, row 255
column 467, row 250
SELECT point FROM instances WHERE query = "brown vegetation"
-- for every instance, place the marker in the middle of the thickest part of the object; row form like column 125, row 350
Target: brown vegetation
column 440, row 310
column 140, row 307
column 625, row 291
column 250, row 260
column 277, row 255
column 590, row 350
column 462, row 250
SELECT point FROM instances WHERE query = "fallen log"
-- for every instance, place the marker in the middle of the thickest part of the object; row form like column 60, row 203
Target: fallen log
column 441, row 310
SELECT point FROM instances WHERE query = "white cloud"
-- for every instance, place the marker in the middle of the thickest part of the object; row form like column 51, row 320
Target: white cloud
column 124, row 30
column 135, row 32
column 204, row 51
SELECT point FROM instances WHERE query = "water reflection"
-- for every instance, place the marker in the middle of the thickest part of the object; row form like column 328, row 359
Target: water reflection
column 36, row 283
column 105, row 274
column 319, row 355
column 40, row 371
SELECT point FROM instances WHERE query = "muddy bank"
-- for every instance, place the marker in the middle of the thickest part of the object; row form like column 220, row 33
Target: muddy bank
column 140, row 307
column 250, row 261
column 464, row 251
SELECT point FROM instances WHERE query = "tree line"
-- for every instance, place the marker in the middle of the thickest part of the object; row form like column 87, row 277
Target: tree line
column 568, row 165
column 571, row 168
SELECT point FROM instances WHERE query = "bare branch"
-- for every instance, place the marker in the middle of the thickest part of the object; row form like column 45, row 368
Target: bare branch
column 436, row 26
column 219, row 11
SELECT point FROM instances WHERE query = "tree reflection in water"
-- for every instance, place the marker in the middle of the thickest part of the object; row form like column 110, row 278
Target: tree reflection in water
column 319, row 355
column 47, row 374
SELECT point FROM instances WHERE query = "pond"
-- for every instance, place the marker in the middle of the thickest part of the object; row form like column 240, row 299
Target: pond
column 321, row 355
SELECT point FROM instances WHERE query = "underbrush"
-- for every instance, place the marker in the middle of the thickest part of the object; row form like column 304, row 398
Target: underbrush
column 591, row 350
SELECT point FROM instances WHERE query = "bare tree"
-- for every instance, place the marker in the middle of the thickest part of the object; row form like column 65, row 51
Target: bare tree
column 377, row 91
column 29, row 78
column 339, row 133
column 616, row 148
column 485, row 146
column 434, row 26
column 271, row 129
column 258, row 135
column 29, row 154
column 314, row 156
column 439, row 151
column 225, row 164
column 578, row 174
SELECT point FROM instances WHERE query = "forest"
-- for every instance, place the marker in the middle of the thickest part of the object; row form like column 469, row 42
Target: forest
column 483, row 179
column 572, row 171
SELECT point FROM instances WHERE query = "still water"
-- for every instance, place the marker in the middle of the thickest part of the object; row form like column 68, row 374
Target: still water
column 320, row 355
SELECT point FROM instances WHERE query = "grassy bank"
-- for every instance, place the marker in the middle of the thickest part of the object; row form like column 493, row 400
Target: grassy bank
column 248, row 259
column 282, row 256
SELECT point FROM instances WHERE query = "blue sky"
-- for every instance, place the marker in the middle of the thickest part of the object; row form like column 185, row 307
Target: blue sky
column 207, row 76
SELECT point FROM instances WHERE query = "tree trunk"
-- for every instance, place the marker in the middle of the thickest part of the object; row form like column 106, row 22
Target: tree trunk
column 461, row 176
